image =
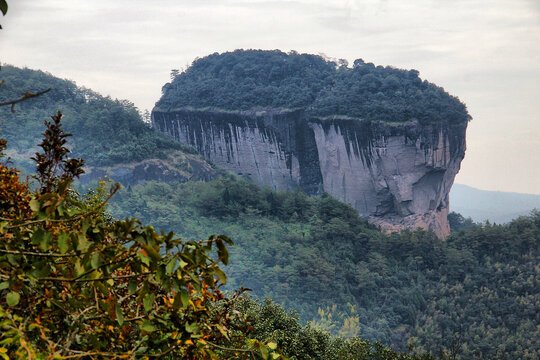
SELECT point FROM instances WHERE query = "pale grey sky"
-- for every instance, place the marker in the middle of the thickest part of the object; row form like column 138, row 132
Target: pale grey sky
column 485, row 52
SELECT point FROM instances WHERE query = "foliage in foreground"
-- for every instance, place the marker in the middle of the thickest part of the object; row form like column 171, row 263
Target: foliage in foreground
column 74, row 285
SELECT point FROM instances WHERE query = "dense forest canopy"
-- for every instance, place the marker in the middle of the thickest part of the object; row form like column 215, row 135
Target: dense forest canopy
column 252, row 79
column 105, row 131
column 476, row 293
column 76, row 283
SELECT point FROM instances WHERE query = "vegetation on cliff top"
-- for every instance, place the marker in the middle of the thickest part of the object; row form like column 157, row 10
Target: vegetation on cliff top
column 254, row 79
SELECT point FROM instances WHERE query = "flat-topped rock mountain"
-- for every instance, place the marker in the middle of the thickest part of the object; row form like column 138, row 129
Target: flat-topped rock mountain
column 378, row 138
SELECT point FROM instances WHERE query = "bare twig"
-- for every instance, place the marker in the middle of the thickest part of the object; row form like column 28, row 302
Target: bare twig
column 98, row 279
column 26, row 96
column 31, row 253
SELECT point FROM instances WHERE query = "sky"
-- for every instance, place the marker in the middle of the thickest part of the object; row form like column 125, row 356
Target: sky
column 486, row 52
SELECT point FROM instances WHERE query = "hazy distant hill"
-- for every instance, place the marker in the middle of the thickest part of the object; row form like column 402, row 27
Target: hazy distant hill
column 495, row 206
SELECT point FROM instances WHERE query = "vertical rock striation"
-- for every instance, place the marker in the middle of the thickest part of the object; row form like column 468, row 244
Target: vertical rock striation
column 399, row 176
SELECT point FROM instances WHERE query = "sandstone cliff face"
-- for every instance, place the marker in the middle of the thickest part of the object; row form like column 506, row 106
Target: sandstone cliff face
column 397, row 175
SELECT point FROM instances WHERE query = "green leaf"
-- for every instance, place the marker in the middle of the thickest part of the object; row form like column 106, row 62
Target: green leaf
column 111, row 309
column 220, row 275
column 272, row 345
column 192, row 328
column 96, row 260
column 78, row 267
column 264, row 352
column 4, row 285
column 34, row 203
column 63, row 185
column 223, row 331
column 12, row 298
column 160, row 273
column 223, row 253
column 171, row 266
column 37, row 236
column 82, row 243
column 63, row 242
column 102, row 288
column 147, row 326
column 148, row 302
column 226, row 239
column 132, row 287
column 154, row 255
column 181, row 299
column 42, row 238
column 119, row 315
column 184, row 297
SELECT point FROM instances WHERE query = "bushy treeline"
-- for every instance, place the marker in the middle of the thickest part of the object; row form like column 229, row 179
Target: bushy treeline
column 307, row 342
column 242, row 80
column 105, row 131
column 474, row 294
column 251, row 79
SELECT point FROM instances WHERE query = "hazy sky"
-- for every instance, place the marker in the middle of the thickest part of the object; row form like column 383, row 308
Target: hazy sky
column 485, row 52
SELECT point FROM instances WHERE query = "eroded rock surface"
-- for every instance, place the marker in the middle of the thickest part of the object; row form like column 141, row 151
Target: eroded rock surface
column 176, row 167
column 398, row 175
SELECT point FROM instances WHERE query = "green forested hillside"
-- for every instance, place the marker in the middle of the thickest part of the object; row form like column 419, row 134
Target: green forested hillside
column 251, row 79
column 105, row 131
column 68, row 270
column 53, row 297
column 476, row 293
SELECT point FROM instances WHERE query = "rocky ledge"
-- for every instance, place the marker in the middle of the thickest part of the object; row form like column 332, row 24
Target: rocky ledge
column 176, row 167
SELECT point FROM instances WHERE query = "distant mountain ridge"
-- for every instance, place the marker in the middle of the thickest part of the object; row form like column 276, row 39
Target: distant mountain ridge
column 495, row 206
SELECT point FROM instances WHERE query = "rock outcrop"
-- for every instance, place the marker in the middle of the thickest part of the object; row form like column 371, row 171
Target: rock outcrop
column 398, row 175
column 176, row 167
